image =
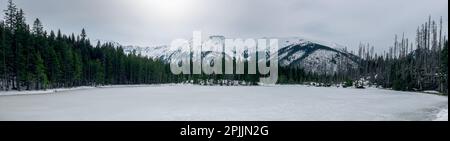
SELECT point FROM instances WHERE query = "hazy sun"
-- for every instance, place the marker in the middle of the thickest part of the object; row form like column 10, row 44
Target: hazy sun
column 169, row 9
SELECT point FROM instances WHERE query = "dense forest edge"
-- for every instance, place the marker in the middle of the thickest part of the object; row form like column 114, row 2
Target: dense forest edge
column 34, row 59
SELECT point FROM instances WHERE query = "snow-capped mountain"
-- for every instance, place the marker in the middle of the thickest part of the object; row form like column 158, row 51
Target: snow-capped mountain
column 312, row 56
column 315, row 56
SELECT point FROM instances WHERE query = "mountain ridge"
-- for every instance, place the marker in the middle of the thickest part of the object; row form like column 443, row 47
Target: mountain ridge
column 312, row 56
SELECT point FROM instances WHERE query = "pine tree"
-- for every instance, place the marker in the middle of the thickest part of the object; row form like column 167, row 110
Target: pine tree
column 3, row 51
column 38, row 29
column 53, row 66
column 77, row 68
column 444, row 58
column 21, row 53
column 83, row 34
column 444, row 69
column 10, row 15
column 41, row 76
column 98, row 72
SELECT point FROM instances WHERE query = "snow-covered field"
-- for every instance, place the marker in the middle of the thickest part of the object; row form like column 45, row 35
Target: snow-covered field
column 260, row 103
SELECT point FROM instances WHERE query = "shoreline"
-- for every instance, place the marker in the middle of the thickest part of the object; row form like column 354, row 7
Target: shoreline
column 50, row 91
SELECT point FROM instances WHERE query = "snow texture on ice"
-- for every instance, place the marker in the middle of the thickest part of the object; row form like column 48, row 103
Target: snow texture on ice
column 442, row 115
column 237, row 103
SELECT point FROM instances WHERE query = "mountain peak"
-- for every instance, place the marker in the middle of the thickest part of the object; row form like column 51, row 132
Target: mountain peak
column 310, row 55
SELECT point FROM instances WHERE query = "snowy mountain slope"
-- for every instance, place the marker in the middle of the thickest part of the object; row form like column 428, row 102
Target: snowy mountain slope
column 316, row 57
column 312, row 56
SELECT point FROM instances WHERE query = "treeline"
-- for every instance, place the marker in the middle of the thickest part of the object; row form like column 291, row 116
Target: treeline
column 286, row 75
column 289, row 75
column 220, row 79
column 410, row 65
column 31, row 58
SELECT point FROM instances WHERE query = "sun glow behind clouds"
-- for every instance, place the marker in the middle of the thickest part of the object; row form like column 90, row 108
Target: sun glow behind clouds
column 169, row 10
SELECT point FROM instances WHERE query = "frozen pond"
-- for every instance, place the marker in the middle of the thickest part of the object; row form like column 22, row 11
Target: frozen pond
column 254, row 103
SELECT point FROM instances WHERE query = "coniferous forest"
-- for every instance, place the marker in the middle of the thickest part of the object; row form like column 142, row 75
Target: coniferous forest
column 408, row 65
column 33, row 59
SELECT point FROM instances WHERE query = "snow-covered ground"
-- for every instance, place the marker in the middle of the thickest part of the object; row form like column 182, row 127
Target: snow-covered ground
column 442, row 115
column 189, row 102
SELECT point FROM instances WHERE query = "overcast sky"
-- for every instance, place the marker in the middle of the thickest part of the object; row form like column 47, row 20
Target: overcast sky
column 156, row 22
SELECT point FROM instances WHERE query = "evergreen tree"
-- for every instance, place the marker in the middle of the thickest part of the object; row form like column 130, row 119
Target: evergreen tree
column 41, row 76
column 444, row 69
column 83, row 34
column 38, row 29
column 10, row 15
column 3, row 52
column 444, row 58
column 77, row 68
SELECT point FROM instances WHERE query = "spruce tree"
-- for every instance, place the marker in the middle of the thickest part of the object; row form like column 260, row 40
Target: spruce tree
column 3, row 52
column 38, row 29
column 41, row 76
column 10, row 15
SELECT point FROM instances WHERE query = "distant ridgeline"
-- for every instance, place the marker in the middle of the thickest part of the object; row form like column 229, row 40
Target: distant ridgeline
column 31, row 58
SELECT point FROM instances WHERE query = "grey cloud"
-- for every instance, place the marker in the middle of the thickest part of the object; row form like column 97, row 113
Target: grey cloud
column 346, row 22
